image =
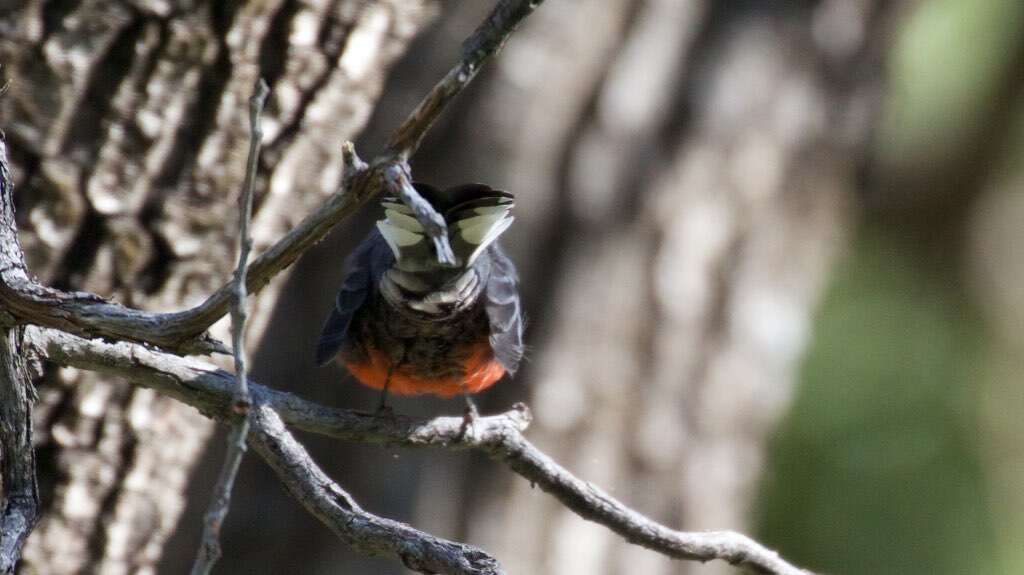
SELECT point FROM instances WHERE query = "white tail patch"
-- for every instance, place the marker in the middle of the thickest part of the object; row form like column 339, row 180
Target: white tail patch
column 473, row 225
column 401, row 230
column 478, row 224
column 476, row 228
column 481, row 231
column 397, row 237
column 391, row 204
column 403, row 221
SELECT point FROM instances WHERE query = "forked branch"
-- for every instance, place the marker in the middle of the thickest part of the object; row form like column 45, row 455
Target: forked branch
column 88, row 315
column 70, row 318
column 210, row 390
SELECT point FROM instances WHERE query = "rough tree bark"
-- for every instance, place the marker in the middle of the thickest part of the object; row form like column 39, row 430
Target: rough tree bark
column 127, row 127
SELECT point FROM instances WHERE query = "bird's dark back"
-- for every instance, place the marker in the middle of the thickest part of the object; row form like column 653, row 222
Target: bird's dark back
column 381, row 306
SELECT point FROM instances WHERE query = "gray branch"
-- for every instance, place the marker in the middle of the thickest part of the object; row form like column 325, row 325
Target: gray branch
column 209, row 549
column 480, row 47
column 364, row 532
column 77, row 316
column 210, row 390
column 88, row 315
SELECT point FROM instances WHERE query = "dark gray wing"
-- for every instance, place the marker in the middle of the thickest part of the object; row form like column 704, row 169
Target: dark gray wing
column 504, row 310
column 366, row 265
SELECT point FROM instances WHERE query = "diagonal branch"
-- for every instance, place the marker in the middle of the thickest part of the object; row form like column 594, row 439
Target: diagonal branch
column 25, row 301
column 184, row 331
column 363, row 531
column 210, row 390
column 483, row 44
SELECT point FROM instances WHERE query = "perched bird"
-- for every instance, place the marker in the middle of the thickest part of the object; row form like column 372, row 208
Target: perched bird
column 405, row 324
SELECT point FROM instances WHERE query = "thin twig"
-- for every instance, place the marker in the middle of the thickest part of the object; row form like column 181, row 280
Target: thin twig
column 210, row 390
column 484, row 43
column 19, row 494
column 209, row 550
column 238, row 310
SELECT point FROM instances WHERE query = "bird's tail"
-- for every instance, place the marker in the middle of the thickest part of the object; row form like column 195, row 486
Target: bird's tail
column 476, row 216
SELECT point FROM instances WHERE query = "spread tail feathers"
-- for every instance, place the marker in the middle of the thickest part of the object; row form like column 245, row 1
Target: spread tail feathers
column 476, row 216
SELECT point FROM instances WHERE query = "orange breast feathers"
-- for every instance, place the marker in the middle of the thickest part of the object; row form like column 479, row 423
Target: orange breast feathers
column 481, row 370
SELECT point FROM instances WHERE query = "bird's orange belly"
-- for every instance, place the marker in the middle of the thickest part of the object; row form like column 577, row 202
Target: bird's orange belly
column 480, row 371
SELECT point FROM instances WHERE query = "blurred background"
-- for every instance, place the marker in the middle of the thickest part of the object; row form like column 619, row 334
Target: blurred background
column 767, row 252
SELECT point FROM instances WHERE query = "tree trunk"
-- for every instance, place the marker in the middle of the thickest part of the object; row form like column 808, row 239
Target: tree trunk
column 127, row 126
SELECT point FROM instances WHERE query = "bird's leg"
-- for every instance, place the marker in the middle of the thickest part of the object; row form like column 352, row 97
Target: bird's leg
column 471, row 413
column 383, row 408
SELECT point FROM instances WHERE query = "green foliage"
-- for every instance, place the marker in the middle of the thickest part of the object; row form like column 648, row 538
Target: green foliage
column 877, row 469
column 946, row 68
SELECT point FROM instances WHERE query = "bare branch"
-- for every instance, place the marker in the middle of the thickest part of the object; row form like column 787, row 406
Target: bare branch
column 184, row 331
column 238, row 311
column 19, row 505
column 210, row 390
column 594, row 504
column 363, row 531
column 89, row 315
column 362, row 182
column 484, row 43
column 209, row 549
column 213, row 391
